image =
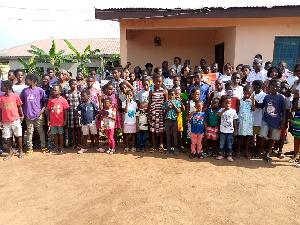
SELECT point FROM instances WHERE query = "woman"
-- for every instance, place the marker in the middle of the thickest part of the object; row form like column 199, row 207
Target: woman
column 177, row 66
column 62, row 80
column 184, row 72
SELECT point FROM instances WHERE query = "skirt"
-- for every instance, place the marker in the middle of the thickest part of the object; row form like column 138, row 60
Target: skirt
column 296, row 124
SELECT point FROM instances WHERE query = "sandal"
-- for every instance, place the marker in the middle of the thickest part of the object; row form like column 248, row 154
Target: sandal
column 126, row 150
column 248, row 156
column 152, row 150
column 297, row 165
column 161, row 149
column 237, row 155
column 7, row 157
column 100, row 150
column 280, row 156
column 21, row 156
column 182, row 149
column 268, row 159
column 29, row 152
column 45, row 150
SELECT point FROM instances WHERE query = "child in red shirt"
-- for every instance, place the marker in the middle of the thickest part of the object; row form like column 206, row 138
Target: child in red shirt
column 11, row 117
column 57, row 117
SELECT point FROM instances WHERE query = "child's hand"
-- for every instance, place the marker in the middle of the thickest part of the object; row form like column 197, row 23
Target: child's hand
column 137, row 128
column 21, row 118
column 128, row 100
column 65, row 123
column 48, row 123
column 234, row 133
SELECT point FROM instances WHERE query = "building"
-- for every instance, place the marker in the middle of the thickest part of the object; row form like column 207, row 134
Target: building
column 222, row 35
column 108, row 47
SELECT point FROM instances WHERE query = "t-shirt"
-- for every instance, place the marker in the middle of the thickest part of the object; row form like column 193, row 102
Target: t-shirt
column 94, row 96
column 88, row 112
column 197, row 123
column 258, row 113
column 56, row 107
column 108, row 122
column 226, row 125
column 204, row 88
column 225, row 78
column 130, row 116
column 168, row 82
column 252, row 76
column 238, row 92
column 143, row 96
column 212, row 118
column 273, row 110
column 143, row 119
column 97, row 85
column 53, row 81
column 171, row 114
column 34, row 100
column 19, row 88
column 298, row 88
column 9, row 107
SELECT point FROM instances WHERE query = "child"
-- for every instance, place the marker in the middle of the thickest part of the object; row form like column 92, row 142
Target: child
column 198, row 128
column 156, row 99
column 88, row 111
column 57, row 117
column 228, row 128
column 212, row 135
column 218, row 93
column 143, row 96
column 195, row 94
column 11, row 117
column 172, row 110
column 116, row 81
column 180, row 118
column 109, row 118
column 74, row 124
column 95, row 95
column 190, row 80
column 245, row 122
column 237, row 87
column 168, row 82
column 130, row 122
column 245, row 72
column 176, row 82
column 274, row 118
column 34, row 99
column 204, row 88
column 235, row 102
column 142, row 128
column 228, row 71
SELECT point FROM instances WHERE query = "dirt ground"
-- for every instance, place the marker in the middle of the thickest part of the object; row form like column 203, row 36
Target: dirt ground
column 137, row 188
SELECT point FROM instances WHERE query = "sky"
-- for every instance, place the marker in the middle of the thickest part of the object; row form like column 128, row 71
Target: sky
column 25, row 21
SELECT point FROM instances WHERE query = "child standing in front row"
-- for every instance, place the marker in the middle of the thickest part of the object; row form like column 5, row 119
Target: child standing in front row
column 129, row 107
column 228, row 128
column 198, row 128
column 245, row 122
column 57, row 117
column 142, row 128
column 171, row 110
column 109, row 123
column 213, row 126
column 11, row 117
column 88, row 111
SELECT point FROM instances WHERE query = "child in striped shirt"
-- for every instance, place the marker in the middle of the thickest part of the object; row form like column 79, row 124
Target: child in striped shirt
column 213, row 126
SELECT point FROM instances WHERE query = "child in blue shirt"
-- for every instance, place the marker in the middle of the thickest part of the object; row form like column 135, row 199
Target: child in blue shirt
column 198, row 128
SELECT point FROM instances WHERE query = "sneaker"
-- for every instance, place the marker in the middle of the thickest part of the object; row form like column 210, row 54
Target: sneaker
column 230, row 159
column 169, row 150
column 126, row 150
column 219, row 157
column 62, row 151
column 112, row 151
column 109, row 150
column 29, row 152
column 192, row 155
column 1, row 151
column 143, row 150
column 176, row 151
column 201, row 155
column 101, row 150
column 133, row 149
column 82, row 151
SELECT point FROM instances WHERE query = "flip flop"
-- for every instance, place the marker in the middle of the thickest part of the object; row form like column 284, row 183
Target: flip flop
column 268, row 159
column 7, row 157
column 21, row 156
column 100, row 150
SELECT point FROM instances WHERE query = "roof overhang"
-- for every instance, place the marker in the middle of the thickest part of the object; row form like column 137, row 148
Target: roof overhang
column 233, row 12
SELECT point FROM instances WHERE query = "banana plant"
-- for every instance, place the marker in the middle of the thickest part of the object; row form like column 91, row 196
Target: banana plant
column 30, row 66
column 81, row 58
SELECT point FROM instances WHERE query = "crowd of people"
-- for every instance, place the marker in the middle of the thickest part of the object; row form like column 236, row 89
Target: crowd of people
column 177, row 108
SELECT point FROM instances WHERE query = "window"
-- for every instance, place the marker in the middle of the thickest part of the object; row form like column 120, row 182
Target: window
column 287, row 49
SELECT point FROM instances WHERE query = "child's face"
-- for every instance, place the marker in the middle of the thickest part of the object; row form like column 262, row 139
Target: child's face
column 183, row 87
column 132, row 77
column 90, row 82
column 129, row 95
column 284, row 88
column 79, row 76
column 146, row 85
column 73, row 85
column 197, row 78
column 236, row 79
column 159, row 72
column 219, row 85
column 11, row 76
column 239, row 69
column 198, row 68
column 214, row 68
column 227, row 103
column 297, row 72
column 172, row 73
column 149, row 71
column 56, row 91
column 199, row 106
column 228, row 70
column 247, row 94
column 28, row 82
column 172, row 95
column 274, row 74
column 107, row 104
column 190, row 79
column 116, row 74
column 267, row 66
column 275, row 88
column 282, row 66
column 46, row 80
column 245, row 71
column 215, row 103
column 196, row 95
column 20, row 76
column 143, row 106
column 256, row 88
column 3, row 88
column 62, row 75
column 206, row 70
column 123, row 88
column 158, row 82
column 109, row 90
column 144, row 75
column 176, row 81
column 178, row 95
column 85, row 97
column 51, row 73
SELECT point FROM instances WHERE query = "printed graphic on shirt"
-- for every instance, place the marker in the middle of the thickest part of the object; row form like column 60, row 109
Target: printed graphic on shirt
column 30, row 97
column 8, row 105
column 131, row 113
column 55, row 109
column 227, row 121
column 271, row 110
column 198, row 120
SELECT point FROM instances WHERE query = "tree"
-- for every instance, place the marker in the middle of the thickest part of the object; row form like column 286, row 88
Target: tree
column 30, row 67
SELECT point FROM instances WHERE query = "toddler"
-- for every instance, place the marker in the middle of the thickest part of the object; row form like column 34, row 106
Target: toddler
column 142, row 128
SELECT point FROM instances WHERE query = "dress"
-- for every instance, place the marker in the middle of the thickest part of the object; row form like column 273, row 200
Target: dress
column 73, row 100
column 118, row 121
column 245, row 121
column 156, row 111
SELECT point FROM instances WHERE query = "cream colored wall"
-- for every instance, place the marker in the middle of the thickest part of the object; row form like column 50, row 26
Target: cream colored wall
column 228, row 36
column 141, row 49
column 258, row 35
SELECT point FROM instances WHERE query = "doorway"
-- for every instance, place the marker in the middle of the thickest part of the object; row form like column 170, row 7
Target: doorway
column 219, row 56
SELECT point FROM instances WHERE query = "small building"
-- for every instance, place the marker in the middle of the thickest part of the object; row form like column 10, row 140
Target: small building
column 108, row 47
column 222, row 35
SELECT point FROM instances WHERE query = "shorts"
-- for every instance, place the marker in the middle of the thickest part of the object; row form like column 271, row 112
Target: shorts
column 89, row 128
column 212, row 133
column 256, row 130
column 274, row 133
column 57, row 129
column 129, row 128
column 13, row 128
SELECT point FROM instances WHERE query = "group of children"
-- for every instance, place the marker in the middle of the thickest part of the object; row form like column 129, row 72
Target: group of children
column 180, row 107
